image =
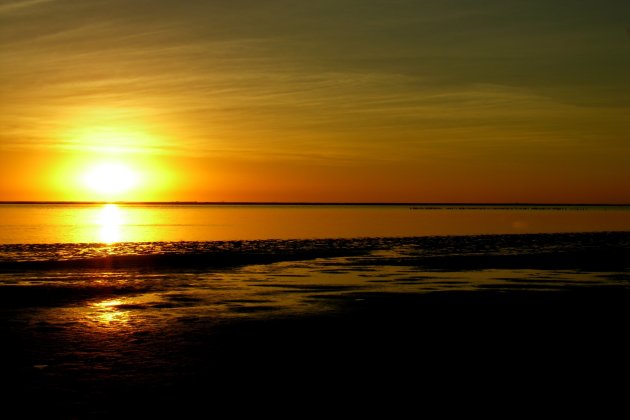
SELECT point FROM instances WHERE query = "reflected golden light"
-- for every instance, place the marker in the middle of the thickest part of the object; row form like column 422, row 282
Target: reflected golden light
column 109, row 313
column 110, row 219
column 109, row 303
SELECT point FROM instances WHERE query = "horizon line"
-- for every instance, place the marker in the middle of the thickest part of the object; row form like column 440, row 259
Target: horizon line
column 308, row 203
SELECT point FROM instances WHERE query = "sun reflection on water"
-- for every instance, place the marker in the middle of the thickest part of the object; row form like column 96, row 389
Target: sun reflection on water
column 108, row 312
column 110, row 218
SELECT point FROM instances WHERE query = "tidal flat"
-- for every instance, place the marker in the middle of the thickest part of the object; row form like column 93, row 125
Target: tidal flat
column 197, row 326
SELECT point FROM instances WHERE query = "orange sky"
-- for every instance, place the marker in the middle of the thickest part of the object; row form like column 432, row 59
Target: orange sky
column 434, row 101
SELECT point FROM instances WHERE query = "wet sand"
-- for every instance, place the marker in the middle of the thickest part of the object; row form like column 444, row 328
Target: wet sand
column 386, row 348
column 369, row 350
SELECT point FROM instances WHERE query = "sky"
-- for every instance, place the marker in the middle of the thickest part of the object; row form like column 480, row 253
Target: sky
column 319, row 100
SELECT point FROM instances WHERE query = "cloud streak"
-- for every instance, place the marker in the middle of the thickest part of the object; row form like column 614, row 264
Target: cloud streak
column 18, row 5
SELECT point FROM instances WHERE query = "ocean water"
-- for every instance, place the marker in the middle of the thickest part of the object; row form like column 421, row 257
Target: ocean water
column 116, row 223
column 231, row 260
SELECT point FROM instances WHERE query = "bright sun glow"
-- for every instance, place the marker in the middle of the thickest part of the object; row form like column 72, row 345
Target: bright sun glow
column 110, row 179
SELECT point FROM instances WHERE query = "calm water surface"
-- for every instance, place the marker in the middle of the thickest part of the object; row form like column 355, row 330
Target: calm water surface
column 42, row 224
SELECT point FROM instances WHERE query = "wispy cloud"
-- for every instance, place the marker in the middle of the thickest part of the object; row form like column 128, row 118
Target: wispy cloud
column 324, row 79
column 17, row 5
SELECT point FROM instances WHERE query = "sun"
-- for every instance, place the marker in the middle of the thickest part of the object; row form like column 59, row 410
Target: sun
column 88, row 177
column 110, row 179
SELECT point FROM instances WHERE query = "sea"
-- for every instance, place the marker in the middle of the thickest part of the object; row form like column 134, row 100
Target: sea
column 148, row 223
column 128, row 266
column 115, row 296
column 231, row 256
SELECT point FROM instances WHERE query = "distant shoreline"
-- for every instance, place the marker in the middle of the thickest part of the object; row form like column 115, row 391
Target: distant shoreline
column 414, row 206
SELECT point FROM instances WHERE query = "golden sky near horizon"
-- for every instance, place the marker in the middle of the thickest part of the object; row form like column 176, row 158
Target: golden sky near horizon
column 325, row 100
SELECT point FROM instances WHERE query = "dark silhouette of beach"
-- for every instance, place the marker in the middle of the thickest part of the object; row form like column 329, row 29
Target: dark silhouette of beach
column 371, row 350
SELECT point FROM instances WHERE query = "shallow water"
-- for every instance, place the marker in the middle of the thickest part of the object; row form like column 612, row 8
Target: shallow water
column 92, row 329
column 295, row 281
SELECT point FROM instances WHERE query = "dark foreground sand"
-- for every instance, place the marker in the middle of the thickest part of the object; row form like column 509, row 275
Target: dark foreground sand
column 508, row 350
column 393, row 352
